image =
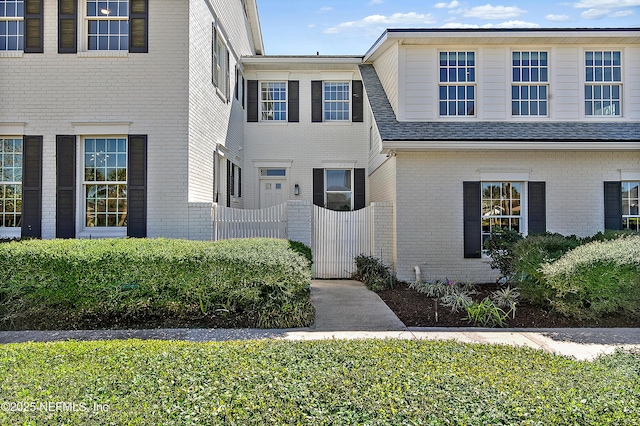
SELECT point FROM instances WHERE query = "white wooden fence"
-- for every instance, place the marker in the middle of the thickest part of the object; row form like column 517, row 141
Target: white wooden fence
column 238, row 223
column 338, row 237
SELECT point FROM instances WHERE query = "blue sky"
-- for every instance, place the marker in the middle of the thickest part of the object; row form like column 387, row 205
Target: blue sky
column 350, row 27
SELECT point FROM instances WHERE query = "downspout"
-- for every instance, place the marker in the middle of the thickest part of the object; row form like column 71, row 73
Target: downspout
column 418, row 273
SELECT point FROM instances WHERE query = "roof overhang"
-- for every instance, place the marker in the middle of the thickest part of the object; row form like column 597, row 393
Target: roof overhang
column 251, row 7
column 511, row 37
column 312, row 62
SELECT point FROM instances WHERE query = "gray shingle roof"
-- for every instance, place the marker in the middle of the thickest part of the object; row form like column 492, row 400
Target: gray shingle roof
column 393, row 130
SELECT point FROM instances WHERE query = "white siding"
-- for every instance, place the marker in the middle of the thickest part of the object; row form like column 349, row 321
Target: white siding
column 421, row 83
column 429, row 202
column 631, row 101
column 495, row 83
column 565, row 66
column 387, row 68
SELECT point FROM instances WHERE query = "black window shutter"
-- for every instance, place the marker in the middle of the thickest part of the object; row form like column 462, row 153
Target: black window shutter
column 537, row 208
column 359, row 189
column 293, row 93
column 33, row 24
column 236, row 89
column 242, row 94
column 137, row 186
column 613, row 205
column 316, row 101
column 67, row 26
column 138, row 26
column 227, row 87
column 229, row 165
column 32, row 186
column 65, row 186
column 214, row 53
column 472, row 220
column 252, row 101
column 357, row 101
column 318, row 187
column 239, row 182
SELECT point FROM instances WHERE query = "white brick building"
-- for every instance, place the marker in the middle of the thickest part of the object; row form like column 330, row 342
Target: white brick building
column 134, row 117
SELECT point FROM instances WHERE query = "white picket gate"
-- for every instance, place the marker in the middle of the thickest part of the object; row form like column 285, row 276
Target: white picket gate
column 338, row 237
column 239, row 223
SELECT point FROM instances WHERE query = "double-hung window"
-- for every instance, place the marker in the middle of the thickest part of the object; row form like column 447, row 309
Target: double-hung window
column 11, row 25
column 501, row 207
column 273, row 101
column 220, row 63
column 630, row 201
column 530, row 80
column 339, row 189
column 108, row 25
column 457, row 88
column 336, row 100
column 603, row 83
column 105, row 182
column 10, row 183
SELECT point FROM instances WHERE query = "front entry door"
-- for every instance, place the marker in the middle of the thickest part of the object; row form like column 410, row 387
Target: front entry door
column 272, row 192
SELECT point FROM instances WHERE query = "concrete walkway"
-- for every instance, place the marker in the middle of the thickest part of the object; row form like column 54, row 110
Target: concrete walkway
column 347, row 310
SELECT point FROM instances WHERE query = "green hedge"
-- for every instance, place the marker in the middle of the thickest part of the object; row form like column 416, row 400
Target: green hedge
column 597, row 279
column 63, row 283
column 334, row 382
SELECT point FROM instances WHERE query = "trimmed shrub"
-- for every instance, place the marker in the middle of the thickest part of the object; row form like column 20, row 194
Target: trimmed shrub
column 529, row 255
column 373, row 273
column 597, row 279
column 302, row 249
column 499, row 246
column 63, row 283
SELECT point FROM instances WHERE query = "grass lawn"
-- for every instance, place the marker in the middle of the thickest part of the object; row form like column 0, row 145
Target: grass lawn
column 313, row 382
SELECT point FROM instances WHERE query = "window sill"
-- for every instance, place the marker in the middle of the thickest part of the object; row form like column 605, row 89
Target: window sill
column 221, row 95
column 10, row 232
column 120, row 232
column 274, row 122
column 104, row 54
column 338, row 123
column 11, row 54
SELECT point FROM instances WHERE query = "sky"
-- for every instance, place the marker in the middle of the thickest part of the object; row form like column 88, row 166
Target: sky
column 351, row 27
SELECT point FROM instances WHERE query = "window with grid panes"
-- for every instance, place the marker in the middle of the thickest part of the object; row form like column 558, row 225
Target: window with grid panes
column 457, row 86
column 630, row 201
column 10, row 182
column 529, row 88
column 501, row 207
column 603, row 83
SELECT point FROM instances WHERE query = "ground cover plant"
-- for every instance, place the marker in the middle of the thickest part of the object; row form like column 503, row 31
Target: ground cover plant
column 115, row 283
column 373, row 273
column 314, row 382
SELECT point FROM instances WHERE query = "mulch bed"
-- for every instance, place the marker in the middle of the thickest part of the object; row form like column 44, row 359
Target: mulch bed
column 417, row 310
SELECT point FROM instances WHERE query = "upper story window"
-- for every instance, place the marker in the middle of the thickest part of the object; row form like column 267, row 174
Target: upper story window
column 457, row 88
column 529, row 89
column 220, row 63
column 12, row 25
column 336, row 101
column 630, row 202
column 273, row 101
column 108, row 25
column 603, row 83
column 10, row 183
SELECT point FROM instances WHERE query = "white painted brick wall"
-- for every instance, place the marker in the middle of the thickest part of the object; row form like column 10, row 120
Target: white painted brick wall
column 382, row 232
column 299, row 218
column 308, row 145
column 429, row 202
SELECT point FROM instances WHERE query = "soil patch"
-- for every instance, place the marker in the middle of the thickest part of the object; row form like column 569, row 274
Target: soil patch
column 417, row 310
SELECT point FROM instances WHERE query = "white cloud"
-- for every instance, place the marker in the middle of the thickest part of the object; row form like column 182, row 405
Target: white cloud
column 372, row 2
column 493, row 12
column 606, row 4
column 557, row 18
column 376, row 21
column 506, row 24
column 621, row 14
column 324, row 9
column 594, row 13
column 311, row 26
column 451, row 5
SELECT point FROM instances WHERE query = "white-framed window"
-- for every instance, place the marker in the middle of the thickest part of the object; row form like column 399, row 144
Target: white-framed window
column 273, row 101
column 107, row 25
column 220, row 63
column 10, row 182
column 12, row 25
column 603, row 83
column 502, row 207
column 457, row 87
column 339, row 189
column 630, row 202
column 336, row 100
column 104, row 182
column 530, row 83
